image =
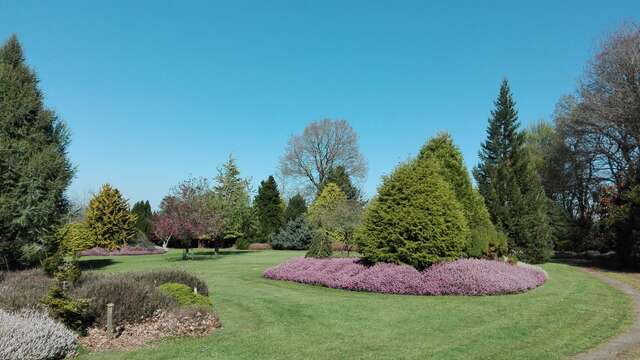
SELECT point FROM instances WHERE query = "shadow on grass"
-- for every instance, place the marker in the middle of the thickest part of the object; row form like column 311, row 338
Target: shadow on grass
column 93, row 264
column 196, row 255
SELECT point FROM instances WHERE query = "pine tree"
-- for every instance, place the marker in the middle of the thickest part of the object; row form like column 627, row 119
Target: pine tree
column 338, row 175
column 484, row 239
column 142, row 210
column 34, row 168
column 296, row 207
column 269, row 208
column 508, row 181
column 109, row 218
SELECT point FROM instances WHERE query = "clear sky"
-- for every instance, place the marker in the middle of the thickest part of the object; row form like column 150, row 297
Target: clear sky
column 157, row 91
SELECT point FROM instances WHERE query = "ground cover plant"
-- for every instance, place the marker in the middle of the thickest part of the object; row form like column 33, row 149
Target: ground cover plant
column 460, row 277
column 33, row 335
column 571, row 313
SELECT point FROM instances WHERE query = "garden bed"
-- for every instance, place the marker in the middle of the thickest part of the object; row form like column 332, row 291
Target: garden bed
column 127, row 250
column 461, row 277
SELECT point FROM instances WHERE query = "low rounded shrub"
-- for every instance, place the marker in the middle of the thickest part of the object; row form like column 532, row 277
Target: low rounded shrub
column 157, row 278
column 24, row 289
column 260, row 246
column 133, row 299
column 296, row 235
column 461, row 277
column 33, row 335
column 184, row 295
column 415, row 219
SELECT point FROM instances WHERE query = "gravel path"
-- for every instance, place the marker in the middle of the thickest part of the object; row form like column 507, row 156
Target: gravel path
column 621, row 345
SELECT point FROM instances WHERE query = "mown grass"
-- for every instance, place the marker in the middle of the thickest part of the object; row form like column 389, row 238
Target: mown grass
column 267, row 319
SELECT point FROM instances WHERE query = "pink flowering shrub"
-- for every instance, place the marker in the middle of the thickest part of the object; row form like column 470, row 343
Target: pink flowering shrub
column 127, row 250
column 460, row 277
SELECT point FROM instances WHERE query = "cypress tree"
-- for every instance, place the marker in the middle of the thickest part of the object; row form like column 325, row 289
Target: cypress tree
column 508, row 181
column 296, row 207
column 483, row 239
column 269, row 208
column 34, row 168
column 415, row 218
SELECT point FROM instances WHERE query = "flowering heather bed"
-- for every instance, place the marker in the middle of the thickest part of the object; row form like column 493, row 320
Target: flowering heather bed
column 127, row 250
column 460, row 277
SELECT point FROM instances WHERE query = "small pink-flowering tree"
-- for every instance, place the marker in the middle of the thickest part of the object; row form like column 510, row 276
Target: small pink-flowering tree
column 189, row 213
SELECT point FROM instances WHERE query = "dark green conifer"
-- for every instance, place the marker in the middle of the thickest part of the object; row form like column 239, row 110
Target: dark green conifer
column 296, row 207
column 34, row 168
column 269, row 208
column 510, row 185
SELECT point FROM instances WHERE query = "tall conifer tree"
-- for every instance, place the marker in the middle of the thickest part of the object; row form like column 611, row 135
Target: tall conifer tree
column 269, row 208
column 511, row 187
column 34, row 168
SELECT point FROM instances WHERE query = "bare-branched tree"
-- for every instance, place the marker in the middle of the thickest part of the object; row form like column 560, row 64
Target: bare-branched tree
column 324, row 145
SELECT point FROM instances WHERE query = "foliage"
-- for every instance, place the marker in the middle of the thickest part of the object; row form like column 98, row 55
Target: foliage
column 320, row 245
column 24, row 289
column 34, row 168
column 160, row 277
column 75, row 237
column 326, row 205
column 461, row 277
column 339, row 176
column 296, row 235
column 324, row 145
column 415, row 218
column 133, row 300
column 189, row 212
column 242, row 243
column 510, row 185
column 232, row 195
column 184, row 295
column 30, row 334
column 123, row 251
column 142, row 211
column 51, row 264
column 109, row 218
column 71, row 312
column 268, row 208
column 69, row 270
column 296, row 207
column 483, row 239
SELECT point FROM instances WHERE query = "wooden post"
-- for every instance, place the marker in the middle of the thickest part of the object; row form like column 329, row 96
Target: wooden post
column 64, row 285
column 195, row 290
column 110, row 320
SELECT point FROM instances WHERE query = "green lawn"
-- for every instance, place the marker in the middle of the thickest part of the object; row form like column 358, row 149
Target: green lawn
column 267, row 319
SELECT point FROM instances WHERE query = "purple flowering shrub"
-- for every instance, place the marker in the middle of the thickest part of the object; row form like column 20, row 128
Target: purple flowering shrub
column 460, row 277
column 126, row 250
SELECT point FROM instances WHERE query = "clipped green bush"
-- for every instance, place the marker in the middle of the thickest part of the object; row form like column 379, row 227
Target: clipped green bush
column 296, row 235
column 184, row 295
column 483, row 239
column 415, row 219
column 157, row 278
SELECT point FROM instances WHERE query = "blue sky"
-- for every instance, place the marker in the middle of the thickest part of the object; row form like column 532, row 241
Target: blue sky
column 155, row 91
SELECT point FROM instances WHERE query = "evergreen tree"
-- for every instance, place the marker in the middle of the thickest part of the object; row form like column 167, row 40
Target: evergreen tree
column 142, row 210
column 296, row 207
column 269, row 208
column 109, row 218
column 415, row 218
column 483, row 238
column 232, row 197
column 508, row 181
column 338, row 175
column 34, row 168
